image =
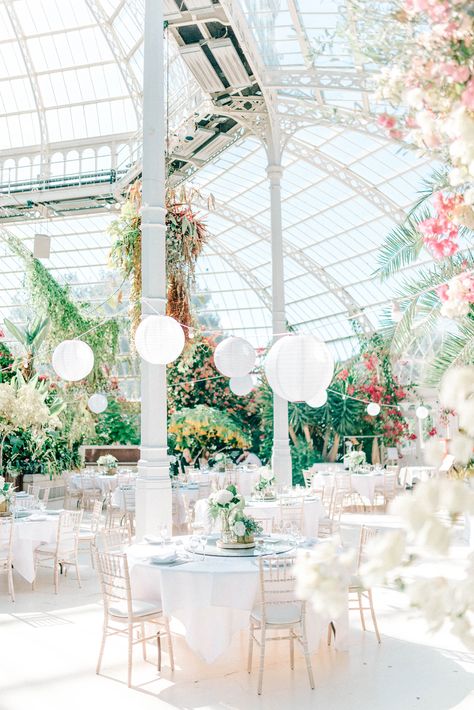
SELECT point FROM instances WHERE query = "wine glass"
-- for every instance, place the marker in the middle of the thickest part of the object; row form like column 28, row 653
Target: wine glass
column 164, row 533
column 193, row 545
column 203, row 545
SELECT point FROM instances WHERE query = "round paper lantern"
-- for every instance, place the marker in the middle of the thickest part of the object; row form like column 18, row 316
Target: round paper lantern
column 159, row 339
column 299, row 367
column 97, row 403
column 234, row 357
column 373, row 409
column 318, row 401
column 72, row 360
column 241, row 385
column 421, row 412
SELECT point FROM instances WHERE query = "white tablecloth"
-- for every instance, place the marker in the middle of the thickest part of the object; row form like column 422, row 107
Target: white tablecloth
column 27, row 535
column 418, row 473
column 210, row 601
column 313, row 512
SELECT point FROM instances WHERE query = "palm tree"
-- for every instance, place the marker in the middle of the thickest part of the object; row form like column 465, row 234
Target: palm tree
column 31, row 337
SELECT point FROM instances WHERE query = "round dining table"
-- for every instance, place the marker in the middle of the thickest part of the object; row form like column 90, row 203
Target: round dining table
column 209, row 600
column 362, row 483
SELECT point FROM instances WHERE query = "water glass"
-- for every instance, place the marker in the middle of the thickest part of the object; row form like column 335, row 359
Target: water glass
column 193, row 545
column 164, row 534
column 203, row 545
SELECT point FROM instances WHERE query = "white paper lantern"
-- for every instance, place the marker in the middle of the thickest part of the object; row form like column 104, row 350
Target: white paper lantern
column 318, row 401
column 72, row 360
column 234, row 357
column 97, row 403
column 421, row 412
column 299, row 367
column 241, row 385
column 159, row 339
column 373, row 409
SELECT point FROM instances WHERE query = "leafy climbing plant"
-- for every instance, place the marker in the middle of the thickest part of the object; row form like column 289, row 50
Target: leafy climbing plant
column 67, row 318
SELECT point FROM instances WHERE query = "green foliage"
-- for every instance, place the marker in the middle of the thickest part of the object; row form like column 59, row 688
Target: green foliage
column 68, row 319
column 302, row 457
column 204, row 428
column 401, row 247
column 457, row 349
column 31, row 338
column 119, row 424
column 6, row 363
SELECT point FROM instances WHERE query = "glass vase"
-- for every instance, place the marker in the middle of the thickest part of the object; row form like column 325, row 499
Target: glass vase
column 226, row 532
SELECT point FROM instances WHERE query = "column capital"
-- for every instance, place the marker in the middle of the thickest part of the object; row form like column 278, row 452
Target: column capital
column 274, row 172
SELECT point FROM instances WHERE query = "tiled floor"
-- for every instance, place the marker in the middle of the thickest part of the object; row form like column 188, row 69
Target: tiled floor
column 49, row 646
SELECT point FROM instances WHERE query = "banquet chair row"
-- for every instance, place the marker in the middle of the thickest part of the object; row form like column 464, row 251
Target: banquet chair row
column 357, row 596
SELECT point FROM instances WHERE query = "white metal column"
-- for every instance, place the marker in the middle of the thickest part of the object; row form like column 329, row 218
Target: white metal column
column 153, row 503
column 281, row 457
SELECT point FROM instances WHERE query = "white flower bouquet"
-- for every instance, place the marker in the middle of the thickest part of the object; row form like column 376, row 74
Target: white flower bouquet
column 109, row 462
column 265, row 483
column 354, row 459
column 245, row 528
column 6, row 495
column 226, row 503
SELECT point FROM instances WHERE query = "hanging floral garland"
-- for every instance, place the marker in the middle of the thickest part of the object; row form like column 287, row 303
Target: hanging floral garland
column 186, row 236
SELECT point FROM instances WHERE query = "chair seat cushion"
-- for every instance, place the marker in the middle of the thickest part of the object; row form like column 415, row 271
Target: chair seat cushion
column 279, row 614
column 50, row 549
column 86, row 535
column 139, row 608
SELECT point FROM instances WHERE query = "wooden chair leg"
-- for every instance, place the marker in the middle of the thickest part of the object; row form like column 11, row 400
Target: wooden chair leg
column 142, row 631
column 374, row 618
column 292, row 650
column 11, row 588
column 77, row 573
column 56, row 576
column 361, row 611
column 307, row 658
column 170, row 643
column 158, row 644
column 262, row 660
column 250, row 653
column 130, row 655
column 102, row 647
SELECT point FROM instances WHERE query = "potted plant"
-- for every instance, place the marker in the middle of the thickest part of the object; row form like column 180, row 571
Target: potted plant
column 245, row 528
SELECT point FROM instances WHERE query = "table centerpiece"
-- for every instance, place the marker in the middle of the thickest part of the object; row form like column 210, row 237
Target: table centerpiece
column 237, row 529
column 6, row 496
column 265, row 485
column 354, row 459
column 109, row 463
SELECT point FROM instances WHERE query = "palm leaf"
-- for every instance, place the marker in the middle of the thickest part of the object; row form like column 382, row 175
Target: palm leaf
column 437, row 181
column 457, row 349
column 17, row 333
column 401, row 247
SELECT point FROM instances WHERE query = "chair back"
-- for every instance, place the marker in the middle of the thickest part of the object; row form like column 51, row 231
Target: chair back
column 308, row 478
column 114, row 578
column 392, row 469
column 112, row 540
column 128, row 498
column 96, row 516
column 389, row 485
column 67, row 537
column 367, row 533
column 6, row 540
column 337, row 504
column 26, row 503
column 292, row 512
column 39, row 493
column 277, row 584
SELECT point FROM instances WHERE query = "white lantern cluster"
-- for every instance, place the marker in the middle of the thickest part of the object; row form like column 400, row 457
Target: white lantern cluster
column 299, row 368
column 421, row 412
column 73, row 360
column 241, row 385
column 159, row 339
column 97, row 403
column 234, row 357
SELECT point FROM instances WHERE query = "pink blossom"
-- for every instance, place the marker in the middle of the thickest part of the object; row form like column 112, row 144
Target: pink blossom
column 455, row 72
column 443, row 292
column 386, row 121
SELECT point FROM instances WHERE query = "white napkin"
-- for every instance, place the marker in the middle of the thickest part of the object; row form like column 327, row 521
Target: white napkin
column 38, row 516
column 164, row 559
column 153, row 539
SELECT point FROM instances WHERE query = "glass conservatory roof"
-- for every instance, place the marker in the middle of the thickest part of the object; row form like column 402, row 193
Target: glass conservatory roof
column 70, row 72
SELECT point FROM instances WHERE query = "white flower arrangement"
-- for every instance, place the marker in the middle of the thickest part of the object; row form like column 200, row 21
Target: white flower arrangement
column 107, row 461
column 354, row 459
column 225, row 500
column 266, row 480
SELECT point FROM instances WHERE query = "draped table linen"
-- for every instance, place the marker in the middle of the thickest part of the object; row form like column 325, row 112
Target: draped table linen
column 27, row 536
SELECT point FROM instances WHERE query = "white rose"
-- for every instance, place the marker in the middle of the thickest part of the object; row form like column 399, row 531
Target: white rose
column 223, row 497
column 454, row 496
column 408, row 508
column 239, row 528
column 456, row 386
column 434, row 452
column 384, row 553
column 413, row 98
column 434, row 537
column 469, row 196
column 460, row 447
column 457, row 177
